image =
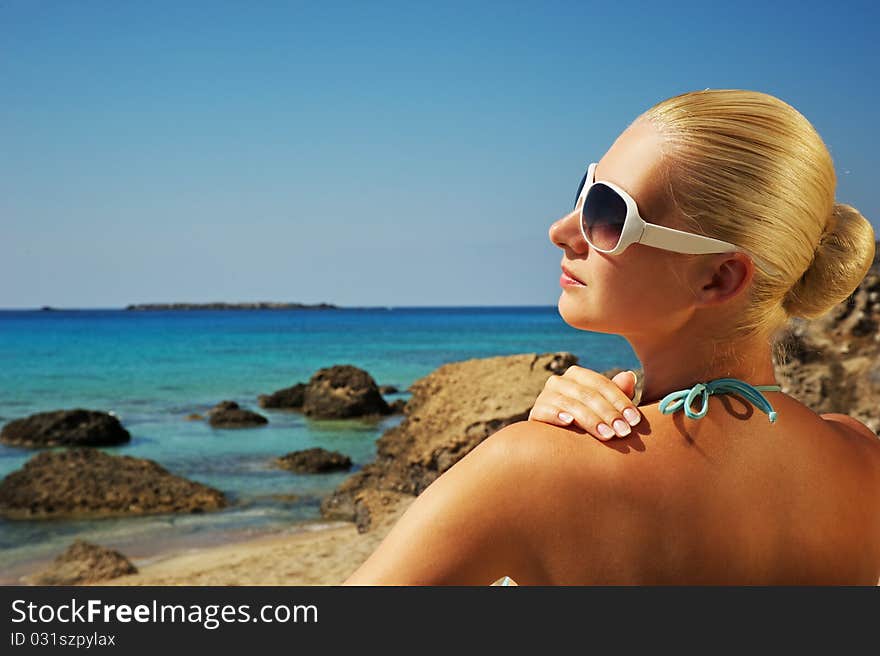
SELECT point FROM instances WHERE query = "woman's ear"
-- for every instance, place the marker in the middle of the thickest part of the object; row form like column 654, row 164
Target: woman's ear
column 724, row 278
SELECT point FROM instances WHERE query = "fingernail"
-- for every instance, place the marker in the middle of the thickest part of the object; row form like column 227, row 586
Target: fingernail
column 632, row 416
column 621, row 427
column 605, row 430
column 564, row 416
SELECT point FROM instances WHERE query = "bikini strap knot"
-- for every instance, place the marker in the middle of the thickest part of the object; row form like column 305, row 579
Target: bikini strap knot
column 674, row 401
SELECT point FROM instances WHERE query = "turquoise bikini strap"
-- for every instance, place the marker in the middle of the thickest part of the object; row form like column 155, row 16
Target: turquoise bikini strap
column 675, row 400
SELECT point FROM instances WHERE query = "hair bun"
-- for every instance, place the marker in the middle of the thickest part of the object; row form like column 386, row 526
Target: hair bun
column 843, row 256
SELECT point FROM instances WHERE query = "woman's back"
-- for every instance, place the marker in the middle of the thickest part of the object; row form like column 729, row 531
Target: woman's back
column 722, row 499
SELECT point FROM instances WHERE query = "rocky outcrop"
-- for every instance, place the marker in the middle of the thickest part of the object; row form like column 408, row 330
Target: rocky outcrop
column 76, row 427
column 832, row 364
column 387, row 389
column 84, row 562
column 290, row 398
column 398, row 406
column 314, row 461
column 343, row 391
column 228, row 414
column 84, row 482
column 452, row 409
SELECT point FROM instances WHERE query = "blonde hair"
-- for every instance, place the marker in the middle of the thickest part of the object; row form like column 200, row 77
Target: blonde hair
column 748, row 168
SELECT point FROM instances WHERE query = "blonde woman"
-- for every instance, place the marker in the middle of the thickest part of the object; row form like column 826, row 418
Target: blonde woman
column 709, row 222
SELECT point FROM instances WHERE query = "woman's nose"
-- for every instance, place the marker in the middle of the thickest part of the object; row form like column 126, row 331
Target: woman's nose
column 566, row 233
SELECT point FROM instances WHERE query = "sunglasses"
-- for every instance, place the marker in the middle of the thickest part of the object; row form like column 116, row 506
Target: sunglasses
column 610, row 222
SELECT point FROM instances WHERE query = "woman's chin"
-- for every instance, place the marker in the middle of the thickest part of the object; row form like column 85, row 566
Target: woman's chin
column 576, row 313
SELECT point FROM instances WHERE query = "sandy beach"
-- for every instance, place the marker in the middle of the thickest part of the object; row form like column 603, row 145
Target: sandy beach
column 317, row 556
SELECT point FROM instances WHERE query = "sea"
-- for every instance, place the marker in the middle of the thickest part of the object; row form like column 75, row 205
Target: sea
column 153, row 368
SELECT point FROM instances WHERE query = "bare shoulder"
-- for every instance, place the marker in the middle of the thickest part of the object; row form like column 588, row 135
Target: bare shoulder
column 571, row 488
column 551, row 462
column 850, row 423
column 536, row 445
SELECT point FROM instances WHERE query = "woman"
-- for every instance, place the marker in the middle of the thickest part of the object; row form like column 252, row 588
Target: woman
column 752, row 488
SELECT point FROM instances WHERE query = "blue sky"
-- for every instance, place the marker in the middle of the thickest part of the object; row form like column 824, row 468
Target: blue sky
column 369, row 154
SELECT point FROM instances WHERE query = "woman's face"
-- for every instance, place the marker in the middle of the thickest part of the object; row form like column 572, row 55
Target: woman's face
column 643, row 289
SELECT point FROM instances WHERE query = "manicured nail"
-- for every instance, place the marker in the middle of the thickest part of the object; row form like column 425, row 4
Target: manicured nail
column 621, row 427
column 564, row 416
column 632, row 416
column 605, row 430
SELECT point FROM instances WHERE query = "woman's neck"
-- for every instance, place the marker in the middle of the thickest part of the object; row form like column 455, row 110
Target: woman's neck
column 672, row 365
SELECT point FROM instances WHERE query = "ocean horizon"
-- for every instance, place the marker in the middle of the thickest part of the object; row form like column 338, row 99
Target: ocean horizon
column 153, row 368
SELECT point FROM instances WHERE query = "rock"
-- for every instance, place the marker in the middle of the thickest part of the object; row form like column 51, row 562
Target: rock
column 76, row 427
column 289, row 397
column 314, row 461
column 84, row 562
column 832, row 363
column 398, row 406
column 84, row 482
column 195, row 416
column 452, row 410
column 378, row 510
column 227, row 414
column 560, row 362
column 343, row 391
column 387, row 389
column 224, row 406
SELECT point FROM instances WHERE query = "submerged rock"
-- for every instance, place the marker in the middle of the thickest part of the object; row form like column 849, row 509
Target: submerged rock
column 77, row 427
column 343, row 391
column 289, row 398
column 84, row 562
column 228, row 414
column 84, row 482
column 314, row 461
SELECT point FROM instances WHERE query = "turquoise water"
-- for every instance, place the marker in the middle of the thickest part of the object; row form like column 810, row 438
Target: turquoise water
column 154, row 368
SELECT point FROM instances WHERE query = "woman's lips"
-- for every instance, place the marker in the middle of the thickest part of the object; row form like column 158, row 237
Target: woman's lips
column 566, row 280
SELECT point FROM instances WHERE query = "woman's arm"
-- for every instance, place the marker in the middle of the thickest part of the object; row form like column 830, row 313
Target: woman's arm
column 464, row 529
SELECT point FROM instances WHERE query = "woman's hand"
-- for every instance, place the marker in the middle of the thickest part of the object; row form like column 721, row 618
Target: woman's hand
column 602, row 407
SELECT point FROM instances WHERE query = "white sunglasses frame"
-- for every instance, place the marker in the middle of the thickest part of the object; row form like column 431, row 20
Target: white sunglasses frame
column 638, row 231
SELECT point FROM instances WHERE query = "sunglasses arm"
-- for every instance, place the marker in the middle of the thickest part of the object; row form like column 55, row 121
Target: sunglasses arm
column 682, row 242
column 685, row 242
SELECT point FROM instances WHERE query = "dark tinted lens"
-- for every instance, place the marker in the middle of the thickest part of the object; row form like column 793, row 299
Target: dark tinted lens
column 603, row 215
column 580, row 188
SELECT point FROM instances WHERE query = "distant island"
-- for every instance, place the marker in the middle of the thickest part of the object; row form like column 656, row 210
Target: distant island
column 259, row 305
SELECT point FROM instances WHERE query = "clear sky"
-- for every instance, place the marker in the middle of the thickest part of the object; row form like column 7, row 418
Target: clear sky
column 365, row 154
